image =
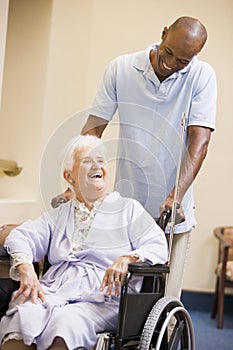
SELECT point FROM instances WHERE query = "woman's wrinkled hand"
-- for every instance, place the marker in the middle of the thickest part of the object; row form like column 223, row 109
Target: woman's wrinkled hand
column 29, row 285
column 115, row 274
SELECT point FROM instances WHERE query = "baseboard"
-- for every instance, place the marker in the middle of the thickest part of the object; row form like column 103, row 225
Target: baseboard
column 201, row 301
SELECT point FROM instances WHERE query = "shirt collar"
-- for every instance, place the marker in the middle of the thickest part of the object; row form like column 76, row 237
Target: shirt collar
column 142, row 61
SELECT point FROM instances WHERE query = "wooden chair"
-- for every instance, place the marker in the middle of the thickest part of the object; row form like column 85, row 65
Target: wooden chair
column 224, row 270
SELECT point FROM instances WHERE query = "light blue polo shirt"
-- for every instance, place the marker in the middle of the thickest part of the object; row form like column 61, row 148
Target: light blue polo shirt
column 150, row 114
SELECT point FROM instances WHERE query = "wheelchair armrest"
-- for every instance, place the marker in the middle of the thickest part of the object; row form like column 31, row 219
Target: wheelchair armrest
column 3, row 254
column 142, row 268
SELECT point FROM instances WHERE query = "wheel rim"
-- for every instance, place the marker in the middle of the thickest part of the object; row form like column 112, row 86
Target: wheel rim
column 157, row 322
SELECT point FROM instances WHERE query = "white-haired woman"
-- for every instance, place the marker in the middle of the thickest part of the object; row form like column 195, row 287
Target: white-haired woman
column 90, row 241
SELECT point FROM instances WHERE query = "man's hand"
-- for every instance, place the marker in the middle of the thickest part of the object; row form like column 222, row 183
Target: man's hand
column 115, row 274
column 29, row 285
column 62, row 198
column 167, row 204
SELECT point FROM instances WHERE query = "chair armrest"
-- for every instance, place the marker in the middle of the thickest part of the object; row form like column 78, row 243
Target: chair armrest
column 4, row 264
column 142, row 268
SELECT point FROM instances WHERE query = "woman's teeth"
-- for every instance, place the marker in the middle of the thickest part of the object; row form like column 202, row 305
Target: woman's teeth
column 96, row 176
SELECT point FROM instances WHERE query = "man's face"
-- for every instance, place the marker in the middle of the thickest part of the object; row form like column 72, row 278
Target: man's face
column 89, row 174
column 174, row 53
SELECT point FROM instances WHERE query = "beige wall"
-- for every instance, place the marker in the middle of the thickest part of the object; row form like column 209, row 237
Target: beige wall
column 4, row 5
column 55, row 55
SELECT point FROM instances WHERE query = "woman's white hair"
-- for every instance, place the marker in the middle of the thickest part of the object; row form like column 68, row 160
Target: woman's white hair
column 79, row 143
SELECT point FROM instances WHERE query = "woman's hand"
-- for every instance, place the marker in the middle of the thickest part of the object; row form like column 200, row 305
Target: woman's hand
column 115, row 274
column 29, row 285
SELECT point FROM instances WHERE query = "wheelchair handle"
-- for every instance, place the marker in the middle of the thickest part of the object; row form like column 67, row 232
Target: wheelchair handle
column 164, row 218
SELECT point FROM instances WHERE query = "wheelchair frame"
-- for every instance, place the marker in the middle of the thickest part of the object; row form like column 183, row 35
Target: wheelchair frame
column 162, row 323
column 144, row 318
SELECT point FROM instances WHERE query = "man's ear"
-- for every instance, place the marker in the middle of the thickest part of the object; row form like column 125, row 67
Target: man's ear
column 164, row 33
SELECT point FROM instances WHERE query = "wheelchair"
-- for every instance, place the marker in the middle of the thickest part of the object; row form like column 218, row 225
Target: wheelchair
column 144, row 318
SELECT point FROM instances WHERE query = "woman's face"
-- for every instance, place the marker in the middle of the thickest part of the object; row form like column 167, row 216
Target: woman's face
column 89, row 174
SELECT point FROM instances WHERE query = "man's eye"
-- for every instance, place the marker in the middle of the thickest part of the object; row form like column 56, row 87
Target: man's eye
column 168, row 52
column 185, row 63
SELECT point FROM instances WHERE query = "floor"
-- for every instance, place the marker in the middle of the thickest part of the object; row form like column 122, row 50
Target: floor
column 208, row 336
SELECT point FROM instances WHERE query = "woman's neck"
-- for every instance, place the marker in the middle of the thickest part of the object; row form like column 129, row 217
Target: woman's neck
column 89, row 204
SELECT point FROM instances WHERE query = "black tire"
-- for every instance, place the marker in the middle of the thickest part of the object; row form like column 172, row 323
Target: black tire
column 154, row 333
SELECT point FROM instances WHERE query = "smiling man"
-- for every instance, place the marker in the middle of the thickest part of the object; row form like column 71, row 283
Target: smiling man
column 174, row 54
column 151, row 90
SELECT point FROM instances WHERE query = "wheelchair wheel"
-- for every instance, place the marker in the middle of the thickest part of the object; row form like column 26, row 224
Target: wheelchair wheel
column 158, row 335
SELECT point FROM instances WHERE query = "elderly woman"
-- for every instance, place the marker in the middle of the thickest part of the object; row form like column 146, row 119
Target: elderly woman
column 90, row 241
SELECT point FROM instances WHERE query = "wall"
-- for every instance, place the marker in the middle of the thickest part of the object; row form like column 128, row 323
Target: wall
column 22, row 105
column 4, row 5
column 56, row 53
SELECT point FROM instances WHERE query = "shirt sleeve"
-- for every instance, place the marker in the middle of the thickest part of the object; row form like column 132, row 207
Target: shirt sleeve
column 17, row 259
column 31, row 239
column 203, row 107
column 104, row 104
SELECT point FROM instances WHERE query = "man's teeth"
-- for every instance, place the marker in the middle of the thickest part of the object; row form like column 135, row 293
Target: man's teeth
column 166, row 67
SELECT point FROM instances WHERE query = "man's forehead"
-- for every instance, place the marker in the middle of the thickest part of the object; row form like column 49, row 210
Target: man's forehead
column 182, row 43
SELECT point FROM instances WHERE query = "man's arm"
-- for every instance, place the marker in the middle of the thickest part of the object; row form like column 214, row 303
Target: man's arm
column 198, row 141
column 94, row 126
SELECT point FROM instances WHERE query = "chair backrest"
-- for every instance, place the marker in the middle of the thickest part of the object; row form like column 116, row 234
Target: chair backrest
column 228, row 234
column 225, row 237
column 225, row 253
column 4, row 232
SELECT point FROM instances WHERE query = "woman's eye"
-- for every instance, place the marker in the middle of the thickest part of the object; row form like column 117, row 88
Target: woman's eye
column 100, row 161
